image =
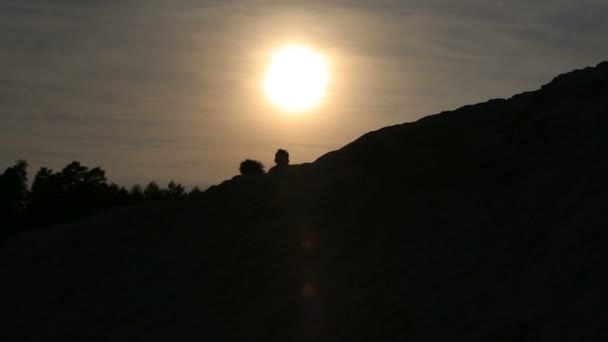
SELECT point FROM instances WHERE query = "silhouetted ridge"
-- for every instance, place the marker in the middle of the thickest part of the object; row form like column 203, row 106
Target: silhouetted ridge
column 581, row 79
column 561, row 93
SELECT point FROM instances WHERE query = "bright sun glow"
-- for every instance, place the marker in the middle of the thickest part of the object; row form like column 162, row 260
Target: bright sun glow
column 297, row 78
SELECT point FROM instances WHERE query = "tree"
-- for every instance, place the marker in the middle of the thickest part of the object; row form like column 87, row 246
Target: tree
column 13, row 189
column 14, row 198
column 48, row 194
column 136, row 193
column 153, row 191
column 113, row 195
column 95, row 176
column 73, row 174
column 195, row 191
column 251, row 167
column 42, row 179
column 175, row 190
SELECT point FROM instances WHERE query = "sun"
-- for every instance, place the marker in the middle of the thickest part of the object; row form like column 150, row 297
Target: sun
column 297, row 78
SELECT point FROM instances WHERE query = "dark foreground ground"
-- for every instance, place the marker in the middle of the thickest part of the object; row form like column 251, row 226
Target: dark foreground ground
column 486, row 223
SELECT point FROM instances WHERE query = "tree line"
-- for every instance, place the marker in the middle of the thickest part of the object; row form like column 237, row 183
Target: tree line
column 77, row 191
column 67, row 195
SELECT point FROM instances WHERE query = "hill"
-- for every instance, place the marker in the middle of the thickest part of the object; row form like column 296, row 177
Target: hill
column 483, row 223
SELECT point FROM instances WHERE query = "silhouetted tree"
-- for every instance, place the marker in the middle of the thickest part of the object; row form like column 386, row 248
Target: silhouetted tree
column 251, row 167
column 116, row 195
column 13, row 187
column 73, row 175
column 194, row 193
column 153, row 191
column 13, row 197
column 175, row 190
column 84, row 191
column 46, row 198
column 45, row 182
column 74, row 192
column 95, row 176
column 136, row 193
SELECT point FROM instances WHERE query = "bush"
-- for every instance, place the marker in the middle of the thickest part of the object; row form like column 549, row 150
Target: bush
column 251, row 167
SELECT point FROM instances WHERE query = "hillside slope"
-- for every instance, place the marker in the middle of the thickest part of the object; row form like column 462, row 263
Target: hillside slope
column 484, row 223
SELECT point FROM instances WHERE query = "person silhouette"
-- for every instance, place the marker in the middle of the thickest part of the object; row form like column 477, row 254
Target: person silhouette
column 281, row 159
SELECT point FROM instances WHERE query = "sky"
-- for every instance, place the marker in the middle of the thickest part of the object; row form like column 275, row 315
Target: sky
column 160, row 90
